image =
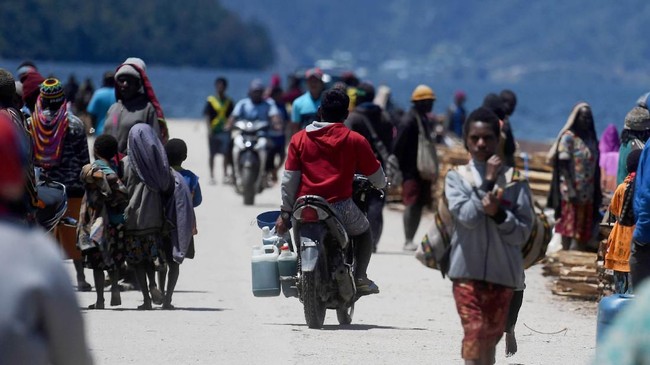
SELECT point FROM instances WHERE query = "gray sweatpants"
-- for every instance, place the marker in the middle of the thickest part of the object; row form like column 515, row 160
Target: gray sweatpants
column 351, row 216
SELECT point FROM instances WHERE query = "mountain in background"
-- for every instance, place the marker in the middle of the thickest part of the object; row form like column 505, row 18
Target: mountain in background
column 194, row 33
column 504, row 40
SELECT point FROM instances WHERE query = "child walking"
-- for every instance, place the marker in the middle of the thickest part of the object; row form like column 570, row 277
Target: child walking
column 101, row 219
column 149, row 182
column 179, row 243
column 619, row 243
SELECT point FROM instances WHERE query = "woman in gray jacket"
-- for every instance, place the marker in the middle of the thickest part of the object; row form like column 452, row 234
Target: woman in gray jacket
column 491, row 208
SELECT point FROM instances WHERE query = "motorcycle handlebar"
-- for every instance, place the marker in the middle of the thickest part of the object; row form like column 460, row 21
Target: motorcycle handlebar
column 362, row 182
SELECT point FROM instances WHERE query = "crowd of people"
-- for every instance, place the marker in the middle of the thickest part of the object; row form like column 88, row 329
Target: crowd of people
column 133, row 200
column 133, row 205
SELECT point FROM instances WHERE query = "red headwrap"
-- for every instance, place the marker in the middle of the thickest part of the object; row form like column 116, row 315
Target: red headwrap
column 148, row 89
column 31, row 87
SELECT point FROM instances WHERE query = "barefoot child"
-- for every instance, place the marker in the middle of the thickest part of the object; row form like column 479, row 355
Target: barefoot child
column 187, row 196
column 102, row 218
column 149, row 181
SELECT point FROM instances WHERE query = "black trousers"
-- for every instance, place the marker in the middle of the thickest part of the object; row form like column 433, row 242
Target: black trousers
column 376, row 216
column 639, row 262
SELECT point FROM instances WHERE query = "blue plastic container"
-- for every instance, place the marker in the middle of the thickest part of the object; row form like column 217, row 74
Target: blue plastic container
column 608, row 308
column 267, row 219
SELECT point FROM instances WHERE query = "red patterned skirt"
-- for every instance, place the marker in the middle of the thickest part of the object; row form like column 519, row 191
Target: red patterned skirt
column 577, row 221
column 483, row 310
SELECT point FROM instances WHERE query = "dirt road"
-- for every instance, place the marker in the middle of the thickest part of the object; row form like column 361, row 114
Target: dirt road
column 218, row 321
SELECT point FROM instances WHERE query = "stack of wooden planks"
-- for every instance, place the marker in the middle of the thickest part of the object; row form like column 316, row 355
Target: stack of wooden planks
column 576, row 274
column 532, row 164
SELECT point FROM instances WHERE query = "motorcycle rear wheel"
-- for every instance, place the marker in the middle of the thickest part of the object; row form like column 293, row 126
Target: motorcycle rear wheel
column 248, row 186
column 344, row 315
column 314, row 307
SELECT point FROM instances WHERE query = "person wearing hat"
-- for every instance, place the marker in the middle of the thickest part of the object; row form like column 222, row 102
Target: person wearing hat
column 416, row 189
column 364, row 116
column 101, row 101
column 252, row 108
column 136, row 103
column 635, row 134
column 40, row 320
column 61, row 151
column 304, row 109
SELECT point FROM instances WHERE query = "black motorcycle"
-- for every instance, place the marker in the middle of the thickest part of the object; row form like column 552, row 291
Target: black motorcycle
column 326, row 259
column 53, row 202
column 249, row 157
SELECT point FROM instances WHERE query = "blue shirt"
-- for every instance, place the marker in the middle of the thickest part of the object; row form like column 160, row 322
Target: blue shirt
column 193, row 183
column 245, row 109
column 642, row 199
column 101, row 100
column 304, row 109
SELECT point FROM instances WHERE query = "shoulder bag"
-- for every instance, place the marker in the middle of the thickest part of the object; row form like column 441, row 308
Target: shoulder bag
column 427, row 158
column 391, row 164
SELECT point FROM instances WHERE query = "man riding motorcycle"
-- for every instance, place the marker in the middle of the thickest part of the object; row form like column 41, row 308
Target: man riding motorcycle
column 253, row 108
column 322, row 160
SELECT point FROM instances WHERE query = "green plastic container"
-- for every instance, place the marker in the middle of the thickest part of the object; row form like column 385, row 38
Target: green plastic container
column 264, row 269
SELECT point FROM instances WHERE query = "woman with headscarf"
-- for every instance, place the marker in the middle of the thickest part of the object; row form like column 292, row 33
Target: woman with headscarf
column 61, row 151
column 136, row 103
column 608, row 146
column 575, row 194
column 149, row 182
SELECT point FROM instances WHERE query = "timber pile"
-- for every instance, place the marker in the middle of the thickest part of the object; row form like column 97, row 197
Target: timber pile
column 576, row 272
column 532, row 165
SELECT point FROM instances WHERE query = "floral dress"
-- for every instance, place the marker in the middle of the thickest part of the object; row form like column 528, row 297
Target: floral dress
column 577, row 217
column 100, row 234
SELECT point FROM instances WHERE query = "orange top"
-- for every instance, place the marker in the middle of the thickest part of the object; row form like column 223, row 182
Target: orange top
column 619, row 242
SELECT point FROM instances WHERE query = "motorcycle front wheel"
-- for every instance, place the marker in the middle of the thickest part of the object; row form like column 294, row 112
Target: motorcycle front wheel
column 344, row 315
column 248, row 185
column 314, row 307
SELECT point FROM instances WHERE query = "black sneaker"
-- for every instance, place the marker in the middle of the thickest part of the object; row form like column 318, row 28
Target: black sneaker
column 366, row 286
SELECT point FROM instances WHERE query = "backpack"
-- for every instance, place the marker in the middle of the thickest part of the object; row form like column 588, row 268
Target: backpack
column 435, row 248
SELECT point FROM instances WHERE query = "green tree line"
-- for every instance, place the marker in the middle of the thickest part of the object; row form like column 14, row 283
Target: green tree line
column 192, row 32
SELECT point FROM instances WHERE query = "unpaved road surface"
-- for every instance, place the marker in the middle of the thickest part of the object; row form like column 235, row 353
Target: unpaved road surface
column 219, row 321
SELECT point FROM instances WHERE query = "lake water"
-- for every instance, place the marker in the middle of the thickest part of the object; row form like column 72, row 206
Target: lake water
column 545, row 100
